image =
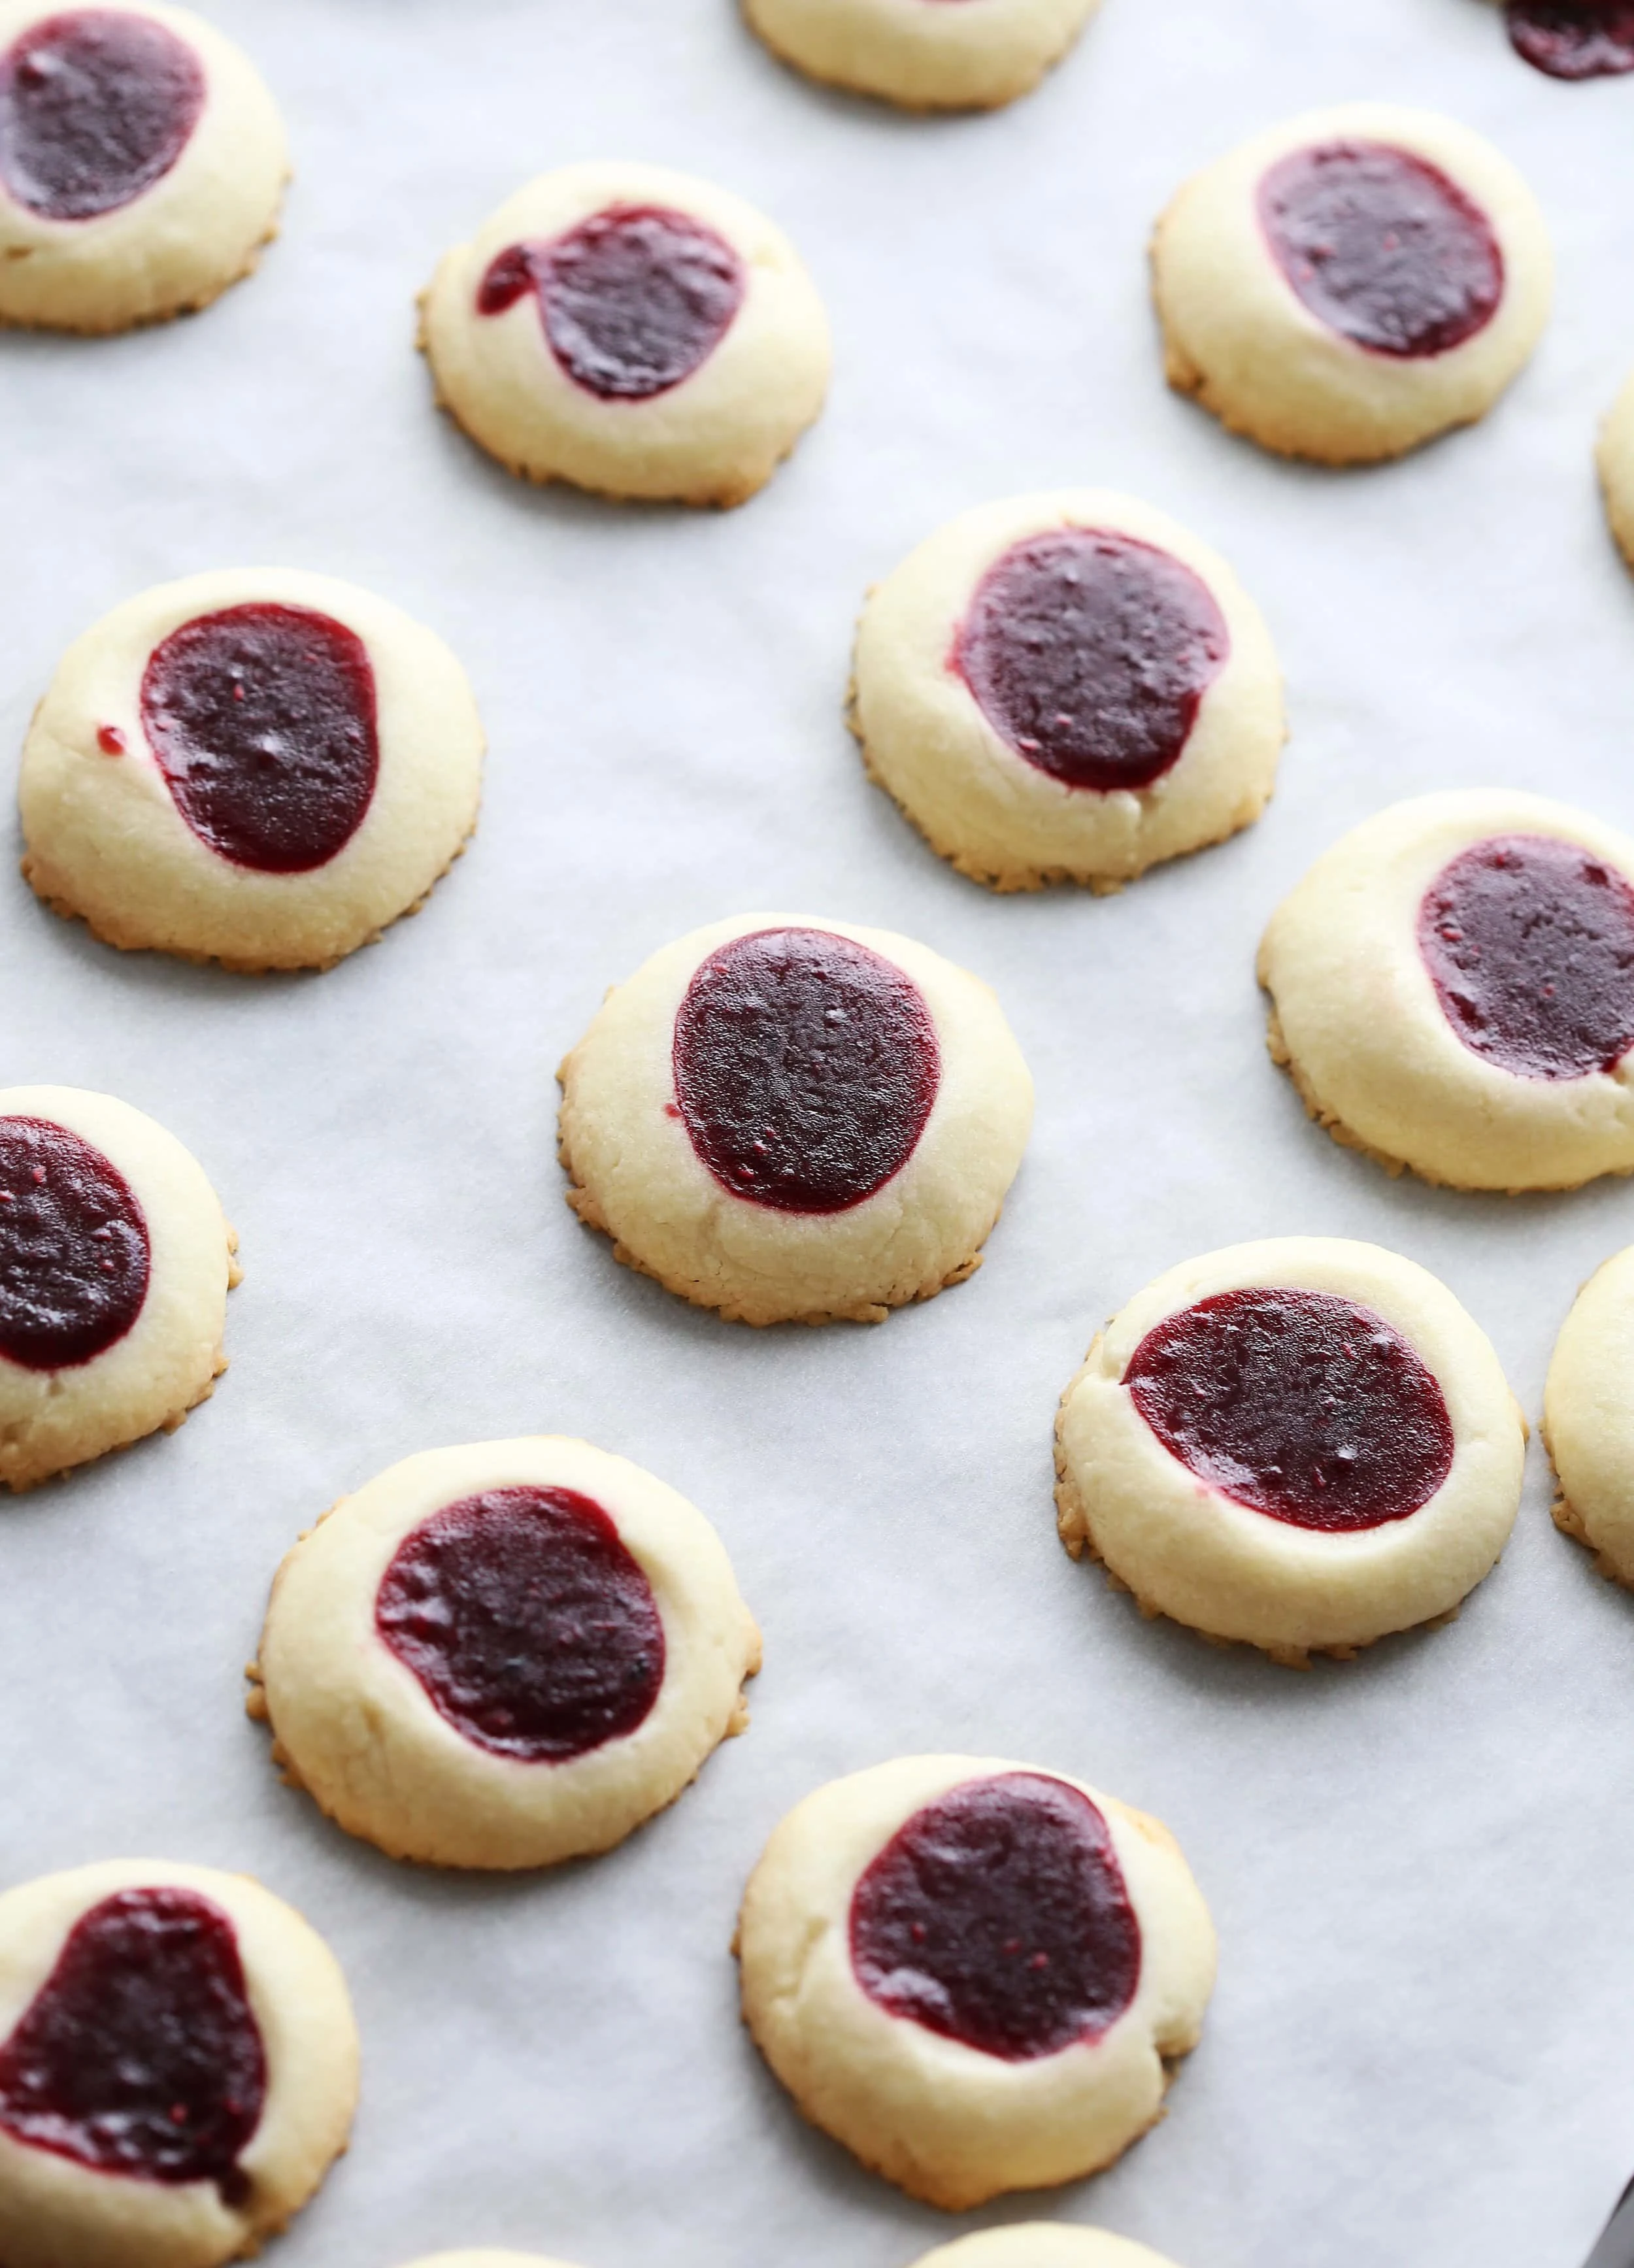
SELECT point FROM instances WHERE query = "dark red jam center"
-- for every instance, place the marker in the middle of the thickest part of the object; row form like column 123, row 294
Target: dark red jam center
column 1529, row 942
column 806, row 1066
column 633, row 300
column 998, row 1916
column 1382, row 248
column 140, row 2054
column 263, row 722
column 1090, row 654
column 74, row 1254
column 1305, row 1407
column 1574, row 39
column 533, row 1629
column 95, row 107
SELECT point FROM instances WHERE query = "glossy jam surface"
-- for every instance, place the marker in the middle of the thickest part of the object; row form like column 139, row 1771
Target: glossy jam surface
column 1382, row 247
column 1573, row 39
column 806, row 1066
column 74, row 1256
column 1299, row 1405
column 998, row 1916
column 263, row 722
column 1529, row 943
column 1090, row 654
column 140, row 2054
column 633, row 300
column 95, row 107
column 528, row 1623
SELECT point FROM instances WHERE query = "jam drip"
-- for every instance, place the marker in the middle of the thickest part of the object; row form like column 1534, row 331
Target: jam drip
column 998, row 1916
column 262, row 719
column 95, row 107
column 140, row 2054
column 1382, row 248
column 633, row 300
column 1573, row 39
column 806, row 1066
column 1090, row 654
column 1299, row 1405
column 531, row 1627
column 1529, row 942
column 74, row 1255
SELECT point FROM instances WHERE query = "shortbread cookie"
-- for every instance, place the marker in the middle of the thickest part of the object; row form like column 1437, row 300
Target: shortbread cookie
column 1304, row 1444
column 1573, row 39
column 1616, row 459
column 1042, row 2244
column 924, row 53
column 1067, row 688
column 142, row 163
column 795, row 1121
column 974, row 1973
column 633, row 331
column 1588, row 1417
column 114, row 1267
column 504, row 1655
column 262, row 768
column 1453, row 988
column 1352, row 283
column 178, row 2067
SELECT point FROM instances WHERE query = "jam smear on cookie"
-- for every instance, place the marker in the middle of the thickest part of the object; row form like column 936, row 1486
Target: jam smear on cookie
column 530, row 1625
column 95, row 107
column 1529, row 942
column 1573, row 39
column 1305, row 1407
column 74, row 1253
column 1382, row 248
column 1090, row 653
column 263, row 720
column 997, row 1916
column 806, row 1066
column 633, row 300
column 140, row 2054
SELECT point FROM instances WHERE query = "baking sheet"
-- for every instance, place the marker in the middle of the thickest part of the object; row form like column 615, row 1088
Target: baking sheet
column 1421, row 2051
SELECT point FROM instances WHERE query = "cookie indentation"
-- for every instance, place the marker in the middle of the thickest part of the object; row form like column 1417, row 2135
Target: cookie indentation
column 1573, row 39
column 95, row 107
column 74, row 1251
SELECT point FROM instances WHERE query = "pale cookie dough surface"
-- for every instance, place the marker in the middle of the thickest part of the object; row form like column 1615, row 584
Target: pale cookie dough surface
column 713, row 438
column 356, row 1727
column 949, row 2122
column 1000, row 818
column 58, row 2212
column 1188, row 1548
column 1616, row 461
column 1588, row 1417
column 106, row 838
column 1357, row 1018
column 182, row 241
column 926, row 55
column 170, row 1357
column 637, row 1174
column 1238, row 338
column 1042, row 2244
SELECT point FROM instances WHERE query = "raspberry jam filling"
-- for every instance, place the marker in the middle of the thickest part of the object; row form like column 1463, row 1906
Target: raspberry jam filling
column 140, row 2054
column 1529, row 942
column 1090, row 654
column 95, row 107
column 264, row 721
column 998, row 1916
column 531, row 1627
column 74, row 1254
column 633, row 300
column 1382, row 248
column 1308, row 1407
column 1573, row 39
column 806, row 1066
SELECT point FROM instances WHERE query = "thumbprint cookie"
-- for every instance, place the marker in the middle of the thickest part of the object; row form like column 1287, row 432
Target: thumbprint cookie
column 924, row 55
column 1573, row 39
column 1615, row 461
column 1588, row 1418
column 1042, row 2244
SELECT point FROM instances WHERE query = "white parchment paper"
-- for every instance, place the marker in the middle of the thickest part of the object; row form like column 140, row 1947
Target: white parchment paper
column 1421, row 2054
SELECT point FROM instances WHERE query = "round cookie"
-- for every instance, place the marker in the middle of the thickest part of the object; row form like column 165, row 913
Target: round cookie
column 633, row 331
column 924, row 55
column 1352, row 283
column 1453, row 990
column 1588, row 1418
column 486, row 2259
column 1616, row 459
column 505, row 1655
column 142, row 163
column 1042, row 2244
column 973, row 1974
column 795, row 1121
column 178, row 2067
column 262, row 768
column 1304, row 1444
column 1573, row 39
column 1067, row 688
column 114, row 1267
